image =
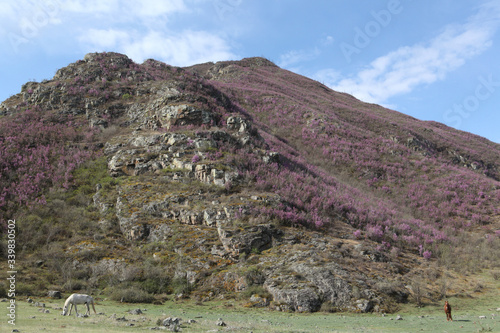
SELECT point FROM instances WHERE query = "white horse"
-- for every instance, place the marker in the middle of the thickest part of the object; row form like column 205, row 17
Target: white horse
column 75, row 299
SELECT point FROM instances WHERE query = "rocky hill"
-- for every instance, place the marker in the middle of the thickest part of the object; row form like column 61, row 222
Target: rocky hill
column 239, row 179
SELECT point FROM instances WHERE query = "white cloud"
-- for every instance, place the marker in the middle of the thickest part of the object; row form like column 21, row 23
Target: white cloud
column 9, row 9
column 294, row 57
column 402, row 70
column 121, row 10
column 143, row 29
column 183, row 49
column 180, row 49
column 90, row 6
column 104, row 40
column 327, row 75
column 328, row 40
column 158, row 8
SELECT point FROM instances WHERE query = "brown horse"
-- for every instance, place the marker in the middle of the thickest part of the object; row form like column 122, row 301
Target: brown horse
column 447, row 310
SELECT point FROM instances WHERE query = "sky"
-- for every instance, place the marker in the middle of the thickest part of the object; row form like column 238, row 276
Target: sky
column 431, row 59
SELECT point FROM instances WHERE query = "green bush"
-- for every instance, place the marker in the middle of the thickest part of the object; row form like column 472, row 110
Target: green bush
column 181, row 285
column 131, row 295
column 328, row 307
column 253, row 276
column 256, row 290
column 155, row 285
column 25, row 289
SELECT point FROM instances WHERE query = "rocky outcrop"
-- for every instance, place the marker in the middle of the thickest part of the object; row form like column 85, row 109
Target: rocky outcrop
column 182, row 115
column 304, row 287
column 183, row 156
column 237, row 124
column 237, row 241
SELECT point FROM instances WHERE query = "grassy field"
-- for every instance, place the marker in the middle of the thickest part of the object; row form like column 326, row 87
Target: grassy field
column 430, row 318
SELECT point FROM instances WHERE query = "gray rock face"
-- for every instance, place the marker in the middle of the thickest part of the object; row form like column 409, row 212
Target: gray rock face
column 304, row 288
column 253, row 238
column 170, row 109
column 293, row 296
column 364, row 305
column 237, row 124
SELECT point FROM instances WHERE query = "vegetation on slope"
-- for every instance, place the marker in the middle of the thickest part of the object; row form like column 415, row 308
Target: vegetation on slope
column 88, row 156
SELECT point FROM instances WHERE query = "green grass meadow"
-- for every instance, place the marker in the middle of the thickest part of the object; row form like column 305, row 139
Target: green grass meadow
column 431, row 318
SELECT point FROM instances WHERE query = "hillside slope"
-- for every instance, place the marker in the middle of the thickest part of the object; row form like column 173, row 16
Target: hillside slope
column 239, row 179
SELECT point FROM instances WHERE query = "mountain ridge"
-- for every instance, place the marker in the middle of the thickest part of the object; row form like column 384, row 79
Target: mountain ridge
column 241, row 177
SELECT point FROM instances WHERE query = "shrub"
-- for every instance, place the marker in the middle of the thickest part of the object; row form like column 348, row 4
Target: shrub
column 427, row 255
column 357, row 234
column 254, row 276
column 36, row 157
column 156, row 285
column 328, row 307
column 181, row 285
column 256, row 290
column 131, row 295
column 195, row 159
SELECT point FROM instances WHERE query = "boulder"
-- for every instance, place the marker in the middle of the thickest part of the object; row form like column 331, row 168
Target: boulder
column 364, row 305
column 237, row 124
column 135, row 312
column 290, row 294
column 54, row 294
column 245, row 240
column 181, row 115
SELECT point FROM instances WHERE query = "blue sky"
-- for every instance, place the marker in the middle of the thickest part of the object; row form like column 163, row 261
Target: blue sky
column 432, row 59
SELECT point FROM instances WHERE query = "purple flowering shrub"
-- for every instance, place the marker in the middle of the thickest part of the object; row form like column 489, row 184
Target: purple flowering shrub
column 342, row 159
column 396, row 180
column 37, row 152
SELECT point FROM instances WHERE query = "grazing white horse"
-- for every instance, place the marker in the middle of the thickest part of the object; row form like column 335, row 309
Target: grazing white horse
column 75, row 299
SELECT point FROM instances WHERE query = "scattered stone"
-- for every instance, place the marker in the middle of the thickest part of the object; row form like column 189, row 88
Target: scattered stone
column 398, row 317
column 482, row 317
column 29, row 300
column 171, row 321
column 220, row 322
column 135, row 312
column 54, row 294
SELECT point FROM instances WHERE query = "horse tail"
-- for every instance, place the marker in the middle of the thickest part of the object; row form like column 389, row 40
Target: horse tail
column 93, row 307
